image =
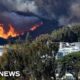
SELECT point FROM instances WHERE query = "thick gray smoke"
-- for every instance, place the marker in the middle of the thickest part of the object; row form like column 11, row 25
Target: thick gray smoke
column 19, row 5
column 65, row 11
column 73, row 14
column 21, row 23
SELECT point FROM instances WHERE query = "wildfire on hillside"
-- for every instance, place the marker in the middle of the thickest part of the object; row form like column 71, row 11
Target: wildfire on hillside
column 36, row 26
column 12, row 32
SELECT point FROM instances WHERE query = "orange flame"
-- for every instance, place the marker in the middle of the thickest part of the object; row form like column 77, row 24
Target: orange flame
column 33, row 28
column 36, row 26
column 11, row 32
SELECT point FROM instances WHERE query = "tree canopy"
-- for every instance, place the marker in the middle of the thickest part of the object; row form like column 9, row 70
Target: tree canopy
column 71, row 63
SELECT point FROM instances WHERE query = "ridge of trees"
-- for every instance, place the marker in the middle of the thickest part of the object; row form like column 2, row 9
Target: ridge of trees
column 70, row 33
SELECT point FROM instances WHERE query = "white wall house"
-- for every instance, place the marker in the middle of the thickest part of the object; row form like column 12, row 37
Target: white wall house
column 1, row 50
column 67, row 48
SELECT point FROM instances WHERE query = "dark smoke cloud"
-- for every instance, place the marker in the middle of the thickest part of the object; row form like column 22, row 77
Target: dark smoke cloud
column 21, row 23
column 73, row 15
column 65, row 11
column 19, row 5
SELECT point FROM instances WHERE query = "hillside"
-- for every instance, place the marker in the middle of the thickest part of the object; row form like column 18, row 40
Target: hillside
column 47, row 26
column 69, row 33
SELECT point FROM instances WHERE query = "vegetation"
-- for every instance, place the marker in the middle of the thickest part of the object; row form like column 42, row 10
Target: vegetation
column 69, row 33
column 71, row 63
column 36, row 59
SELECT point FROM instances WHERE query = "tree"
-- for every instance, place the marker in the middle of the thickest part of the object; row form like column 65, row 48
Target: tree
column 34, row 60
column 16, row 59
column 71, row 63
column 67, row 34
column 41, row 57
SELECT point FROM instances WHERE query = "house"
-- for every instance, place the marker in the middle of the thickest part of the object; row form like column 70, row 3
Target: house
column 66, row 48
column 68, row 76
column 3, row 49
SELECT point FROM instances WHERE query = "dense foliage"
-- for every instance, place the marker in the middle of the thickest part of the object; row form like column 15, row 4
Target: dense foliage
column 71, row 63
column 70, row 33
column 35, row 60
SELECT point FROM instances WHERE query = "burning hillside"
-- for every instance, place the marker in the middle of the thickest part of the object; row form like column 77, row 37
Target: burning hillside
column 36, row 26
column 12, row 31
